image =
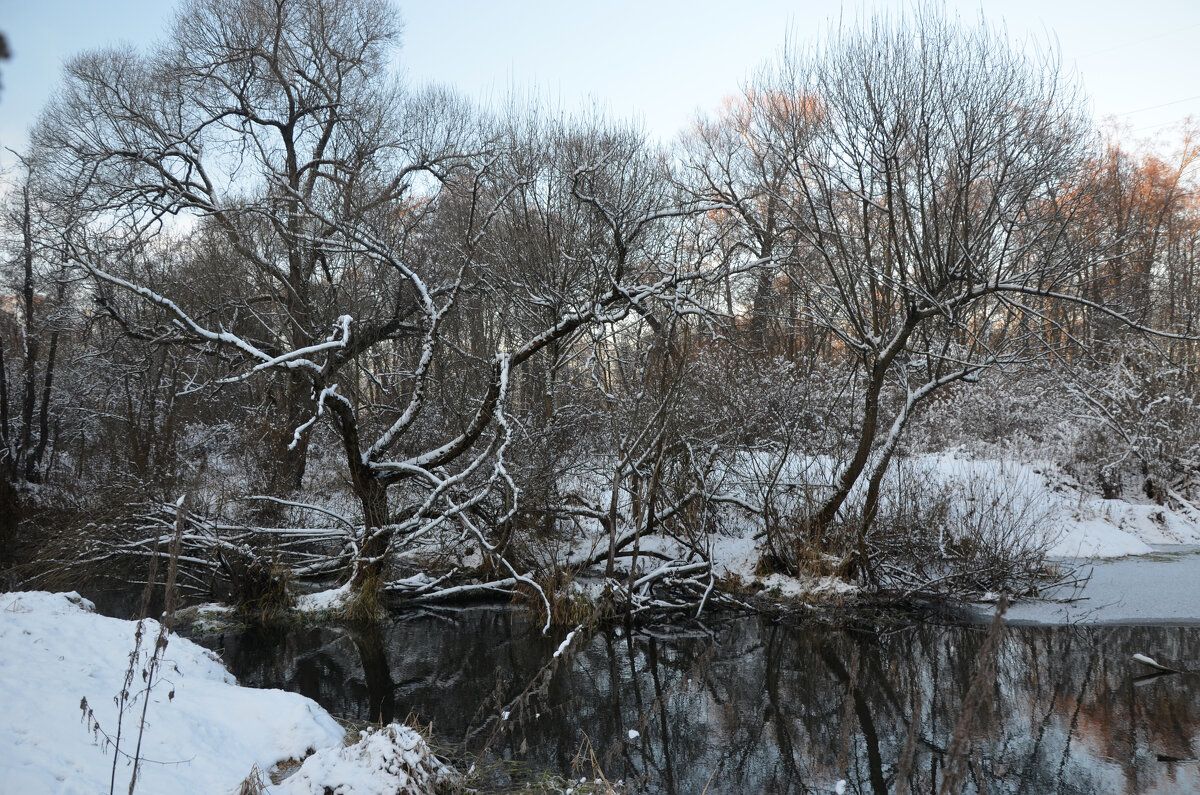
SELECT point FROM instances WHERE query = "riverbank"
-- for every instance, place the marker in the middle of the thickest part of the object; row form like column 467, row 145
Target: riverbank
column 86, row 695
column 735, row 703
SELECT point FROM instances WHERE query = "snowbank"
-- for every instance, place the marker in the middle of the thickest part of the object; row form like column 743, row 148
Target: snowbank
column 324, row 601
column 1037, row 496
column 1074, row 522
column 203, row 732
column 1030, row 508
column 393, row 760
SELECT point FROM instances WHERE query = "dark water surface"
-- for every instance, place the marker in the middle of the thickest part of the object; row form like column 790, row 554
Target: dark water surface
column 749, row 706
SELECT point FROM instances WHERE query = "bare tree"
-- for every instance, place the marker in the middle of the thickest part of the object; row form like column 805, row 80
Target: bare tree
column 259, row 120
column 29, row 336
column 447, row 296
column 740, row 160
column 928, row 200
column 356, row 241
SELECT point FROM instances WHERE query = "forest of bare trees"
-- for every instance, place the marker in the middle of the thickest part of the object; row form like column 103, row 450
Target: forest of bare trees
column 378, row 336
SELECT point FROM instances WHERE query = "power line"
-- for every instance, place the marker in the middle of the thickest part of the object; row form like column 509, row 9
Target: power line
column 1156, row 107
column 1156, row 126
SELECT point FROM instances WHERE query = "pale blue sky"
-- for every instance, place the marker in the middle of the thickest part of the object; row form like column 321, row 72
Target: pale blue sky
column 659, row 60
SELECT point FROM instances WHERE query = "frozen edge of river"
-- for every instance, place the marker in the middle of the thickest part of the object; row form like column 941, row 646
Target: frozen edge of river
column 1161, row 587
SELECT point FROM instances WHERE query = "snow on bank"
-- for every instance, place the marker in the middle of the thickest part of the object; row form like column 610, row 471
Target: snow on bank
column 1033, row 502
column 203, row 732
column 323, row 601
column 1074, row 522
column 393, row 760
column 1030, row 508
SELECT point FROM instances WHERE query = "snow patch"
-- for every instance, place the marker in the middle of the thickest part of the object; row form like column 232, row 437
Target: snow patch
column 209, row 617
column 323, row 601
column 1074, row 523
column 566, row 642
column 796, row 587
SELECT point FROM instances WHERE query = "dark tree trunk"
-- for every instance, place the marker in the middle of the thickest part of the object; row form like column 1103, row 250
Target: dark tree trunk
column 288, row 461
column 8, row 455
column 877, row 376
column 33, row 466
column 853, row 471
column 372, row 558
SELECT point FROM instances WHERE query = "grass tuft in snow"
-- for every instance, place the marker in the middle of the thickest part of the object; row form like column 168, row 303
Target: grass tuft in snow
column 570, row 604
column 253, row 784
column 262, row 590
column 366, row 604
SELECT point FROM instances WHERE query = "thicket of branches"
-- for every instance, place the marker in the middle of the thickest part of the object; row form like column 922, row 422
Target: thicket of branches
column 388, row 338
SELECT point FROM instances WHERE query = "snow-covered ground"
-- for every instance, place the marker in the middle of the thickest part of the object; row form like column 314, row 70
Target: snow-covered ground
column 1031, row 507
column 1035, row 497
column 203, row 732
column 393, row 760
column 1034, row 505
column 1075, row 522
column 323, row 601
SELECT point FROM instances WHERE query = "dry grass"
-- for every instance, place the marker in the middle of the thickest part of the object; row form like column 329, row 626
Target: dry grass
column 253, row 783
column 569, row 607
column 367, row 604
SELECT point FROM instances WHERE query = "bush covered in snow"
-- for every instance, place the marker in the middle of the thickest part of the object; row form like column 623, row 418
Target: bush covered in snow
column 393, row 760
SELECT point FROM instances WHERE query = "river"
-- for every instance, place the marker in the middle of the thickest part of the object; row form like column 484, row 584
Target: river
column 744, row 704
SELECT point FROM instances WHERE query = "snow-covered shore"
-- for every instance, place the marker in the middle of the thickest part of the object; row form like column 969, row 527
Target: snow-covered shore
column 1032, row 505
column 1031, row 508
column 203, row 732
column 1075, row 522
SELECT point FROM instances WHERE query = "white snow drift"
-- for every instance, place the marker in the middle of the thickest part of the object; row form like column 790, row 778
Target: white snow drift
column 203, row 733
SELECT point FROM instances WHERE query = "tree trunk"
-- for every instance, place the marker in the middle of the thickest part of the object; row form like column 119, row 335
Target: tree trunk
column 287, row 462
column 33, row 465
column 372, row 557
column 850, row 475
column 870, row 426
column 30, row 342
column 8, row 455
column 860, row 559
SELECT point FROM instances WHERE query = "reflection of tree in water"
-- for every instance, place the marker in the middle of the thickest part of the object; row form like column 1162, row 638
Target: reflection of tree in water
column 750, row 706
